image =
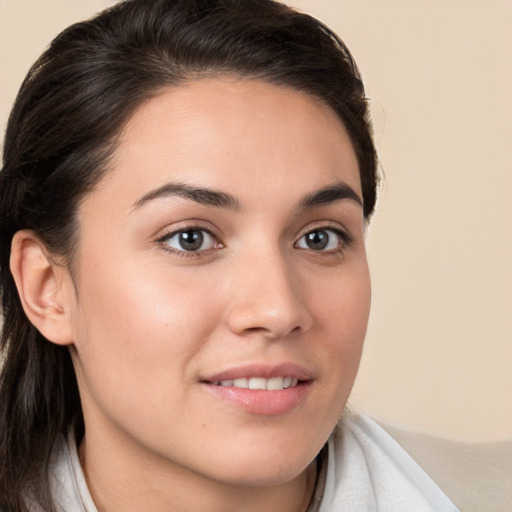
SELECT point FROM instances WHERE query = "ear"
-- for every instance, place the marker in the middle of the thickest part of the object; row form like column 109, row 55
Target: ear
column 44, row 287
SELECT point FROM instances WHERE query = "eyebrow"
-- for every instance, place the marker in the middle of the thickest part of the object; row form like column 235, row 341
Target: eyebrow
column 329, row 194
column 201, row 195
column 211, row 197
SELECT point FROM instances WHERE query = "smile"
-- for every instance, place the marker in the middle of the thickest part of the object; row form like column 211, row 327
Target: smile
column 272, row 384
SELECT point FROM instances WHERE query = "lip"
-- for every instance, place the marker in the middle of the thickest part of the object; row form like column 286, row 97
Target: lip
column 262, row 370
column 259, row 401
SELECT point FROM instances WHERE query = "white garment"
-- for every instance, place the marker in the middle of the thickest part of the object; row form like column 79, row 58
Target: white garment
column 367, row 471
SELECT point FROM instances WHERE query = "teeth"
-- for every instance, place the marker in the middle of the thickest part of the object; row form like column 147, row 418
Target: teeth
column 241, row 383
column 257, row 383
column 273, row 384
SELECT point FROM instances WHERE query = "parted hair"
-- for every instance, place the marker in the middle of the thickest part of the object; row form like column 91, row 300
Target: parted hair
column 61, row 132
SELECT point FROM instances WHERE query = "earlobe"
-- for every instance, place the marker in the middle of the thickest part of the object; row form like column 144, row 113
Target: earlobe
column 41, row 285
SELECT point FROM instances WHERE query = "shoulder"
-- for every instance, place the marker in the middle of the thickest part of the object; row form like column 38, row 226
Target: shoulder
column 368, row 470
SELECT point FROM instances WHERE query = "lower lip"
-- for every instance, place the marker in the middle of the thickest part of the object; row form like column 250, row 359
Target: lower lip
column 261, row 401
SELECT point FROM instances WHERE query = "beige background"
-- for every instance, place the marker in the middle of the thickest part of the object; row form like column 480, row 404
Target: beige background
column 438, row 357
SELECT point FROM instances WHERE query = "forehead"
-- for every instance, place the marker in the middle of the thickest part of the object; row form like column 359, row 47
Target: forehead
column 227, row 133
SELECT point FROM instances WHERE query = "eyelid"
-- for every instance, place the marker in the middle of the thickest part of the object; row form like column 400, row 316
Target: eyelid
column 187, row 225
column 327, row 225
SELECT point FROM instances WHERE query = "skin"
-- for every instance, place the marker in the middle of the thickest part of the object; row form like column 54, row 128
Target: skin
column 148, row 321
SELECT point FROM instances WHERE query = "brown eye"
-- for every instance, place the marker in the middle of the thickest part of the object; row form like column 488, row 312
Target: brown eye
column 190, row 240
column 321, row 240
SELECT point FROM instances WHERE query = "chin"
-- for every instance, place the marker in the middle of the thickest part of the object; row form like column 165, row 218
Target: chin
column 273, row 473
column 268, row 465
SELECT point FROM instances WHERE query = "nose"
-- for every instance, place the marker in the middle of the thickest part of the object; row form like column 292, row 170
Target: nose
column 268, row 298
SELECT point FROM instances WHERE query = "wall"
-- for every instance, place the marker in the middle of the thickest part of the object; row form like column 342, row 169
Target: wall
column 439, row 73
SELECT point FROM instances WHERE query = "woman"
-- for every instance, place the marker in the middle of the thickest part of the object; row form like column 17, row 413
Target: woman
column 184, row 197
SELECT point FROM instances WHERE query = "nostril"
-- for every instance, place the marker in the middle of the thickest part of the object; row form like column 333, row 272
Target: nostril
column 272, row 333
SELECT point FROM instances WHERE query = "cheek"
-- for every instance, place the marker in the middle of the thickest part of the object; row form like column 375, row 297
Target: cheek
column 342, row 301
column 342, row 308
column 135, row 323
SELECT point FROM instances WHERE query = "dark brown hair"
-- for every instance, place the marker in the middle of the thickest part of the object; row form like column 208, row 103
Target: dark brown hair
column 73, row 103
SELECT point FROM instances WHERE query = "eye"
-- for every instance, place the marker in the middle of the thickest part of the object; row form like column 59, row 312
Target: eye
column 321, row 240
column 190, row 240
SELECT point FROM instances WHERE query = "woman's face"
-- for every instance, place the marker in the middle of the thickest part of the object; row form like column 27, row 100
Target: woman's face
column 223, row 251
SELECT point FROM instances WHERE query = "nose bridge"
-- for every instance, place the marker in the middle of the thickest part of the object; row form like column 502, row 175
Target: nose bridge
column 269, row 296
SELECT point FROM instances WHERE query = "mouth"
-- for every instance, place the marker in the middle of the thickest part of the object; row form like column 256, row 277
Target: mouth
column 271, row 384
column 260, row 389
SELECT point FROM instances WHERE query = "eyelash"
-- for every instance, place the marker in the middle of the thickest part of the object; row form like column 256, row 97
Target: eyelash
column 344, row 237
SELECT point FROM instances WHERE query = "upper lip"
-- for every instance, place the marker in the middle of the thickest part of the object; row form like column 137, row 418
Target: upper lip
column 262, row 370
